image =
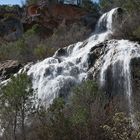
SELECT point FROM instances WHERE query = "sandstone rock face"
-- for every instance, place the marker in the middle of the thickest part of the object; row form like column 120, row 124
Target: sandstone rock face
column 8, row 68
column 32, row 10
column 54, row 15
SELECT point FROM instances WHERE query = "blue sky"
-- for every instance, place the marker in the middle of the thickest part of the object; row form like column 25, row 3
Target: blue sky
column 10, row 2
column 15, row 1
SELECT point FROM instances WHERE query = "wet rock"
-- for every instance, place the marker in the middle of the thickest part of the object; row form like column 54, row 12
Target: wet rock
column 96, row 52
column 61, row 52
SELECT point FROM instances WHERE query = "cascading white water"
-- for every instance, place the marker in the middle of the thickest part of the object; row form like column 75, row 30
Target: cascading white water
column 56, row 75
column 120, row 54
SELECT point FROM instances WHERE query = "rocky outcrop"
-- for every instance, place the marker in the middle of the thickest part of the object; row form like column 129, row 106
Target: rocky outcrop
column 52, row 16
column 114, row 75
column 8, row 68
column 95, row 53
column 47, row 16
column 32, row 10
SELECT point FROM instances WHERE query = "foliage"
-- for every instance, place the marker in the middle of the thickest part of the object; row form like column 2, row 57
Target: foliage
column 121, row 127
column 10, row 11
column 9, row 7
column 32, row 46
column 129, row 5
column 28, row 2
column 82, row 117
column 84, row 110
column 17, row 50
column 78, row 119
column 66, row 35
column 42, row 51
column 90, row 6
column 16, row 104
column 136, row 32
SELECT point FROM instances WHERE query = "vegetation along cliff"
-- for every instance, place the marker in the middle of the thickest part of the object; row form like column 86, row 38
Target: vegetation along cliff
column 70, row 70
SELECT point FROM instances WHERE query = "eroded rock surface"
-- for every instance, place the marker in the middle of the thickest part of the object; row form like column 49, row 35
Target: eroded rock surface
column 8, row 68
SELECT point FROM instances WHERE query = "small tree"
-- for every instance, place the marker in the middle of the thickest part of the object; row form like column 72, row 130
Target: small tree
column 86, row 111
column 16, row 103
column 90, row 6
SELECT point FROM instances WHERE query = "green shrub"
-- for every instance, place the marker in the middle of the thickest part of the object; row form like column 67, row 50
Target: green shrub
column 40, row 52
column 136, row 32
column 32, row 46
column 77, row 119
column 90, row 6
column 120, row 127
column 14, row 50
column 16, row 105
column 66, row 35
column 28, row 2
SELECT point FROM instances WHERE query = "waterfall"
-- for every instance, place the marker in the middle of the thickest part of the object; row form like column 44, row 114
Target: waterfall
column 118, row 57
column 56, row 75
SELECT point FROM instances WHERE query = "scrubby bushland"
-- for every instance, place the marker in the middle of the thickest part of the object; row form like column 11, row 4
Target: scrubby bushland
column 120, row 127
column 87, row 115
column 129, row 28
column 129, row 5
column 32, row 46
column 78, row 119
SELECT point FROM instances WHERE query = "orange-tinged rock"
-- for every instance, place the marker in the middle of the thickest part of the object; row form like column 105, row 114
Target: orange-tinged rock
column 32, row 9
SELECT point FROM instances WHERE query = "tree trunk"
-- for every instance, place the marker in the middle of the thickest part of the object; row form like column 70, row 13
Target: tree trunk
column 23, row 119
column 15, row 126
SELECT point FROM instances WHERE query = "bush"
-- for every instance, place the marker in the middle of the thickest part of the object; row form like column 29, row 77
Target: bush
column 120, row 128
column 28, row 2
column 90, row 6
column 16, row 105
column 79, row 118
column 129, row 28
column 14, row 50
column 32, row 46
column 136, row 33
column 66, row 35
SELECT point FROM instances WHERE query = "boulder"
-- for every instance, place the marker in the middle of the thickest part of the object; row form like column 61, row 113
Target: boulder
column 8, row 68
